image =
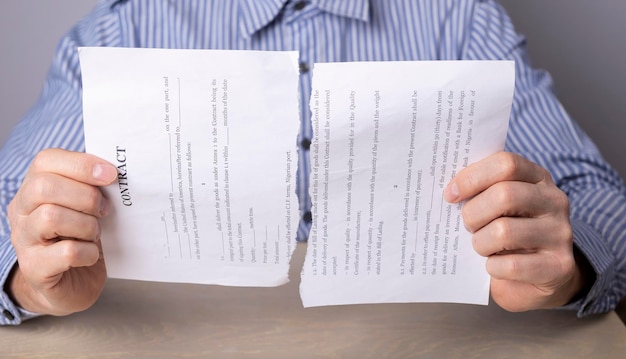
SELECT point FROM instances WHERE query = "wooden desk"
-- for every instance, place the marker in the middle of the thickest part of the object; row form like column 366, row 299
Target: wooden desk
column 157, row 320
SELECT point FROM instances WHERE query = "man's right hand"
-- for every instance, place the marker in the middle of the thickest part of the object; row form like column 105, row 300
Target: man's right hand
column 55, row 231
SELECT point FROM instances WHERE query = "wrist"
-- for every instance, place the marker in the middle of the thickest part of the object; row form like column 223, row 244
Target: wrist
column 585, row 276
column 20, row 292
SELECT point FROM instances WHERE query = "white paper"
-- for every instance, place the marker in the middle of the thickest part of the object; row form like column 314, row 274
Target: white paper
column 388, row 138
column 205, row 146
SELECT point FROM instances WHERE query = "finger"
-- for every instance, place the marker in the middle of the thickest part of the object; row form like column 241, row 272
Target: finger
column 515, row 199
column 516, row 296
column 81, row 167
column 53, row 222
column 502, row 166
column 541, row 268
column 508, row 234
column 54, row 189
column 46, row 264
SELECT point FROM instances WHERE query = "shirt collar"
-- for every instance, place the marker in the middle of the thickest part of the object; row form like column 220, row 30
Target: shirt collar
column 256, row 14
column 355, row 9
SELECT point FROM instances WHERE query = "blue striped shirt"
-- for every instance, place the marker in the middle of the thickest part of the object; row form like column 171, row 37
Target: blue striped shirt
column 330, row 31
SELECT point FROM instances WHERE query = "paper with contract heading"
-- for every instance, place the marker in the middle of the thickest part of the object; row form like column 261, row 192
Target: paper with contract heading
column 204, row 141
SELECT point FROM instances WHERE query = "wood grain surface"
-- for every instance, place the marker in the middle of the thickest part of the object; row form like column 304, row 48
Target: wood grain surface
column 159, row 320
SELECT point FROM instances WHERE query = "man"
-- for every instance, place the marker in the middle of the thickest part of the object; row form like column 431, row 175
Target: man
column 549, row 213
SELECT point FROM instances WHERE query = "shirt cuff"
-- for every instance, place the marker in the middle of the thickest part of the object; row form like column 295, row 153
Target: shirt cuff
column 10, row 314
column 599, row 299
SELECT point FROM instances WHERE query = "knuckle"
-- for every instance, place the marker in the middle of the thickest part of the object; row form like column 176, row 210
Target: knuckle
column 17, row 224
column 12, row 210
column 509, row 163
column 44, row 158
column 564, row 263
column 40, row 187
column 41, row 159
column 547, row 176
column 502, row 229
column 18, row 238
column 561, row 200
column 70, row 252
column 513, row 266
column 467, row 215
column 566, row 236
column 568, row 264
column 505, row 193
column 48, row 216
column 469, row 179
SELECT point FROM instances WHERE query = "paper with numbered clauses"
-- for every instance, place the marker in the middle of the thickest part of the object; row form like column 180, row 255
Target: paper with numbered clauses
column 389, row 136
column 204, row 143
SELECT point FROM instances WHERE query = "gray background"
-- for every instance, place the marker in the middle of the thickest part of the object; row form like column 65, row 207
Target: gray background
column 581, row 43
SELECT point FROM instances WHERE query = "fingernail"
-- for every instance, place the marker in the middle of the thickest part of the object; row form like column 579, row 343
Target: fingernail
column 452, row 192
column 104, row 173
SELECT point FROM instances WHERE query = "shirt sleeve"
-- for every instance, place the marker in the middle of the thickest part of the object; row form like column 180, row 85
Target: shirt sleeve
column 542, row 131
column 54, row 122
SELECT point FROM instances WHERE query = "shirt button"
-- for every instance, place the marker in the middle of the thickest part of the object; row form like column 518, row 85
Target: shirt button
column 307, row 216
column 8, row 315
column 305, row 143
column 299, row 5
column 304, row 67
